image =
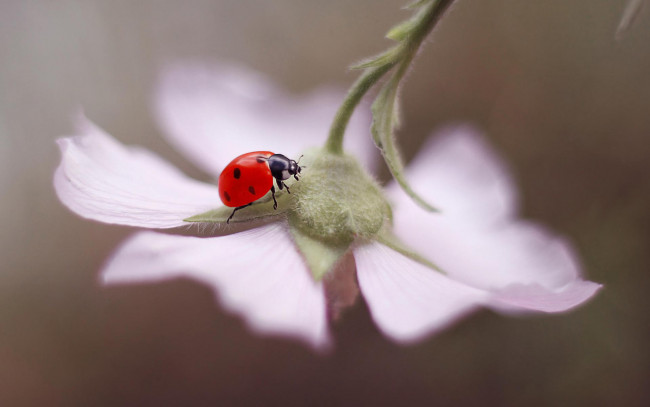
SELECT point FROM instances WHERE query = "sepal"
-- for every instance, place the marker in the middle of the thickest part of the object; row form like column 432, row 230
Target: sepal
column 260, row 209
column 320, row 257
column 384, row 121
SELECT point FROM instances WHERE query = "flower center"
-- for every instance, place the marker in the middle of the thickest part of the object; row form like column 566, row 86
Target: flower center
column 336, row 200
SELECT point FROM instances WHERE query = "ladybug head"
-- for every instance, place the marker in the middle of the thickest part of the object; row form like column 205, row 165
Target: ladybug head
column 282, row 167
column 294, row 167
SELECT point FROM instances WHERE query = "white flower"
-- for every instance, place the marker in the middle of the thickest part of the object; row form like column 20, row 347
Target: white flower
column 492, row 259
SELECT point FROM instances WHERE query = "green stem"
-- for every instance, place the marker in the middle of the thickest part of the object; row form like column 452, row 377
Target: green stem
column 369, row 77
column 426, row 19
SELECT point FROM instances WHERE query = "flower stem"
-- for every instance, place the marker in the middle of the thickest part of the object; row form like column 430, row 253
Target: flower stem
column 410, row 35
column 369, row 77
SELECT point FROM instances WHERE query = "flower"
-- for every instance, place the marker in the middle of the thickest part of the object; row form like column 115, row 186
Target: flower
column 277, row 274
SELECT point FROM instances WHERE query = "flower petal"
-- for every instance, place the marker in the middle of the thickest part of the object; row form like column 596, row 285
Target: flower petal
column 504, row 256
column 511, row 253
column 214, row 113
column 257, row 273
column 462, row 176
column 100, row 179
column 406, row 299
column 534, row 297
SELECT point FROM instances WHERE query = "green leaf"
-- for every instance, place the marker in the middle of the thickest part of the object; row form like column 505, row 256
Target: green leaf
column 388, row 57
column 402, row 30
column 385, row 119
column 320, row 257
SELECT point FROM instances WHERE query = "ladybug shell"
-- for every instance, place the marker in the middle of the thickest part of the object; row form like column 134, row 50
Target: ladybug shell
column 246, row 179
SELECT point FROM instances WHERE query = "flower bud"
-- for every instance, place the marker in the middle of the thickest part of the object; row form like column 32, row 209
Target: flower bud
column 337, row 201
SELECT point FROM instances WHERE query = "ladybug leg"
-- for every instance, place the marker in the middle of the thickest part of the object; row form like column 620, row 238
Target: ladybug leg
column 235, row 210
column 282, row 185
column 275, row 203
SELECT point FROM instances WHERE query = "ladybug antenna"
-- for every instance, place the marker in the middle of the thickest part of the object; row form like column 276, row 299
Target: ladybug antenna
column 298, row 162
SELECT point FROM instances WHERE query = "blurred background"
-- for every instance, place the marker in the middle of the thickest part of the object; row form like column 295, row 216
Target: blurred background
column 562, row 100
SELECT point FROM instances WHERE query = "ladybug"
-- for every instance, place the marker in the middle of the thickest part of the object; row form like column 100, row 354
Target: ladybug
column 250, row 176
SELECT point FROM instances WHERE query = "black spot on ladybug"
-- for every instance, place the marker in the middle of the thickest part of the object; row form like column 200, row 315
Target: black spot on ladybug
column 237, row 173
column 225, row 194
column 251, row 190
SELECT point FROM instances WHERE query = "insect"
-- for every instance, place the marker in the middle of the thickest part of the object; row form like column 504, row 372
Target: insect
column 250, row 176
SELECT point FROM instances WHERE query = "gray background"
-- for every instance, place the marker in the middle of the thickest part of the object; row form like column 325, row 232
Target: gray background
column 564, row 102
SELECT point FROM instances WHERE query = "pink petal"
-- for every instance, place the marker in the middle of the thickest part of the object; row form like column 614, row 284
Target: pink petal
column 462, row 176
column 534, row 297
column 510, row 253
column 257, row 273
column 406, row 299
column 100, row 179
column 214, row 113
column 521, row 263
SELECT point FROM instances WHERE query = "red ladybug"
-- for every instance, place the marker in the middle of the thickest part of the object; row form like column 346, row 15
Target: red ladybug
column 250, row 176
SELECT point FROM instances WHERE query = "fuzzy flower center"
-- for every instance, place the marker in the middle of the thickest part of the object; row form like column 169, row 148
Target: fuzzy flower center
column 336, row 200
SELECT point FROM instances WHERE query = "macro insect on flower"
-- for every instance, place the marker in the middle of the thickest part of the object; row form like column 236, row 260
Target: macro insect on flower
column 491, row 258
column 250, row 176
column 484, row 255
